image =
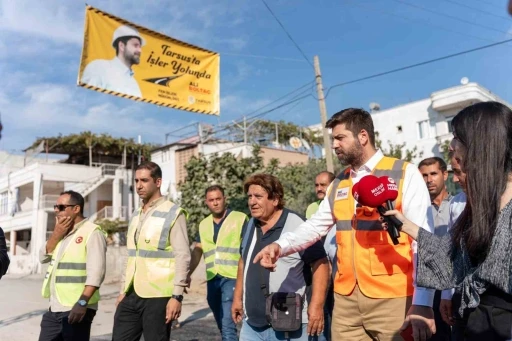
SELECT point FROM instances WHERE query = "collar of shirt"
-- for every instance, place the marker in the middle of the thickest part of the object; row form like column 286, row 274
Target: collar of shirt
column 278, row 225
column 446, row 200
column 153, row 203
column 368, row 166
column 118, row 64
column 76, row 227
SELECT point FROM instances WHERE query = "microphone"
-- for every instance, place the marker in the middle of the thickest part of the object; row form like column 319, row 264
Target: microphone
column 372, row 191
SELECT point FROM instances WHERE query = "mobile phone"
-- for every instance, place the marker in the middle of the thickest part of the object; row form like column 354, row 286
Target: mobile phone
column 407, row 334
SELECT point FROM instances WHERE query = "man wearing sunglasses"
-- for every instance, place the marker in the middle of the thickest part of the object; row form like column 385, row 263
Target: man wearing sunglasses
column 76, row 253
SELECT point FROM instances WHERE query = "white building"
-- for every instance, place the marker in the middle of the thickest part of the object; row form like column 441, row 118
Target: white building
column 425, row 124
column 27, row 196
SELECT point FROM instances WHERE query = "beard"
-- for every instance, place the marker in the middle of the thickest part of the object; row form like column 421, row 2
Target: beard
column 134, row 59
column 353, row 156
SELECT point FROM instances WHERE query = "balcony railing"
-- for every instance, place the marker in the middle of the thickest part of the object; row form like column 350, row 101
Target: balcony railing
column 111, row 213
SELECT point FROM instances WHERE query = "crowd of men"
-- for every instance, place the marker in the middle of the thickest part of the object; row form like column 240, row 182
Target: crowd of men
column 354, row 284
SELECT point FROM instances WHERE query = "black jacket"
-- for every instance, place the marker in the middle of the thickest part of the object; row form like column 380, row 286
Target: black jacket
column 4, row 257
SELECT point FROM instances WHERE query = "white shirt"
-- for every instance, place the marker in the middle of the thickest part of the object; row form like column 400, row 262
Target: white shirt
column 111, row 75
column 415, row 204
column 457, row 205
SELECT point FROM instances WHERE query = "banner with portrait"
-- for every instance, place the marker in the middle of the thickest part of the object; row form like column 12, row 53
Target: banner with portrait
column 127, row 60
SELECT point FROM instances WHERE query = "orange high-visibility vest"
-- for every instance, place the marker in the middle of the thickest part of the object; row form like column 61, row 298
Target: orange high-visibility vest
column 366, row 255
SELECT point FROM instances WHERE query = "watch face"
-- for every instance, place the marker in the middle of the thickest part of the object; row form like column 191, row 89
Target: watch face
column 82, row 303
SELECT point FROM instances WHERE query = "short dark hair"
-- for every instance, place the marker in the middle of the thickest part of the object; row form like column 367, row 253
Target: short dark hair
column 432, row 161
column 270, row 184
column 354, row 120
column 329, row 174
column 214, row 188
column 75, row 198
column 124, row 40
column 153, row 168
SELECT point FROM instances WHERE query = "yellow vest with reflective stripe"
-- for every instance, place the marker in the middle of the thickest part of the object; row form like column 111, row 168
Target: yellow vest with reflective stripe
column 150, row 267
column 222, row 257
column 70, row 271
column 312, row 208
column 366, row 255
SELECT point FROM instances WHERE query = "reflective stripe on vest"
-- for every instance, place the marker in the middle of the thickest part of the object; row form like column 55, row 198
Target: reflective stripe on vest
column 70, row 271
column 365, row 254
column 222, row 257
column 151, row 264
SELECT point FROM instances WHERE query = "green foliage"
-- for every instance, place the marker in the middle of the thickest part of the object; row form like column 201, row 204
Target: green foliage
column 229, row 172
column 396, row 150
column 111, row 226
column 445, row 146
column 102, row 144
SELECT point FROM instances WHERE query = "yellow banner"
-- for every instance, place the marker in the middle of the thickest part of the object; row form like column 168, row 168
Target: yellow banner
column 130, row 61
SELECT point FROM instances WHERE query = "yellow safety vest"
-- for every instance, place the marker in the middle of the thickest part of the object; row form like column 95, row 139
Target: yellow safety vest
column 222, row 257
column 70, row 271
column 312, row 208
column 151, row 267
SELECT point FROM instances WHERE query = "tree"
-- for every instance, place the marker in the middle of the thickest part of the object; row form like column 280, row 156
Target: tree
column 396, row 150
column 229, row 172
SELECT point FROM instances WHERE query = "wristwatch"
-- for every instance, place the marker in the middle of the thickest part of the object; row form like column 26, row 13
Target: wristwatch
column 178, row 298
column 82, row 303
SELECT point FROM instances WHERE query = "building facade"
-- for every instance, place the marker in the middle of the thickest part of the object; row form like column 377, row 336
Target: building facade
column 27, row 196
column 425, row 124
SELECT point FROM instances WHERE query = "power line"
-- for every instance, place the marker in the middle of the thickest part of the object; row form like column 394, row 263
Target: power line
column 417, row 64
column 452, row 17
column 425, row 22
column 478, row 10
column 491, row 3
column 262, row 57
column 288, row 34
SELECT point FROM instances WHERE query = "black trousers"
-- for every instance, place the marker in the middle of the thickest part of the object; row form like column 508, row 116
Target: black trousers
column 136, row 316
column 492, row 319
column 443, row 330
column 55, row 327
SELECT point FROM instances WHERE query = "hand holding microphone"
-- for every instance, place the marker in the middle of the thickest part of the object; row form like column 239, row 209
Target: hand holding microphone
column 373, row 192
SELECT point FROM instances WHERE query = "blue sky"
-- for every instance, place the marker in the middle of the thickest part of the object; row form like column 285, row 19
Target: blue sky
column 40, row 46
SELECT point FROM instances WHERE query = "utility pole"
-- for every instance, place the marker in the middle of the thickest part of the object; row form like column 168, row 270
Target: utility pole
column 201, row 138
column 139, row 140
column 245, row 128
column 277, row 134
column 323, row 115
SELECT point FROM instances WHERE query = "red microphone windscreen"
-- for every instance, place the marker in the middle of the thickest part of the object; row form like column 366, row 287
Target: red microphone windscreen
column 370, row 192
column 391, row 187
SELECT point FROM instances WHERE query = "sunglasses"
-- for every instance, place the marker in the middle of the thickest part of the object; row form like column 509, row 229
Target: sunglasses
column 62, row 207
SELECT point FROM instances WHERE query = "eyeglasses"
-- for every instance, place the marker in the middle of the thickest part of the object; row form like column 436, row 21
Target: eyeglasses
column 62, row 207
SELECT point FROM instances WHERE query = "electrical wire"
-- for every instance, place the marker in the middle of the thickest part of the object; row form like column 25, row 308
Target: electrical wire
column 287, row 33
column 478, row 10
column 417, row 64
column 452, row 17
column 425, row 22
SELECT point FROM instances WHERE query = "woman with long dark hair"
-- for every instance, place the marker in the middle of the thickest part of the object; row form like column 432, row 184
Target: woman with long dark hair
column 476, row 256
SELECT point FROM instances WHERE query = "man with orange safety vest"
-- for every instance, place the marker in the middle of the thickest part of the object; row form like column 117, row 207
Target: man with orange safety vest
column 375, row 281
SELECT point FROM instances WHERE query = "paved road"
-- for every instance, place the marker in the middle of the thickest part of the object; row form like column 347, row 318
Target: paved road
column 21, row 308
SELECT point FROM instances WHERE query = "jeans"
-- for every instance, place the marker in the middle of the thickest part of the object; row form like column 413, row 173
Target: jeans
column 55, row 327
column 250, row 333
column 220, row 299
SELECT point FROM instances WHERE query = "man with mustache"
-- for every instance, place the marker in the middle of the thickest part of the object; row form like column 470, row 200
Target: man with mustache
column 322, row 181
column 117, row 74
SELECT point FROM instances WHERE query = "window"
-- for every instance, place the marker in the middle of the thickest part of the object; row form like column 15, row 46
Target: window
column 449, row 122
column 424, row 129
column 4, row 203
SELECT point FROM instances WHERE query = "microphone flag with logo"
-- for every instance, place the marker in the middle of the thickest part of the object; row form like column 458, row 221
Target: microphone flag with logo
column 374, row 192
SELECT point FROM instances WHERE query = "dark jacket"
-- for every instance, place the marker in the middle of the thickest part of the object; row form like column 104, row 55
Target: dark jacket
column 4, row 257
